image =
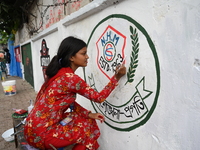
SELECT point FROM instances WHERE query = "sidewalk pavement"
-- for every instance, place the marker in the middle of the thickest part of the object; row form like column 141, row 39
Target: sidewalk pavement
column 21, row 100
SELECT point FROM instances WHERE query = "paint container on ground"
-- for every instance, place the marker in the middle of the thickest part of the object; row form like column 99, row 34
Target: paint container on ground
column 7, row 135
column 9, row 87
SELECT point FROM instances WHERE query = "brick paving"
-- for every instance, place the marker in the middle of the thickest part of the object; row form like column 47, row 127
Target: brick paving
column 20, row 100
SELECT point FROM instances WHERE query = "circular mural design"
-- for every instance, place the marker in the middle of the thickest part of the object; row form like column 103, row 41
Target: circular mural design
column 116, row 39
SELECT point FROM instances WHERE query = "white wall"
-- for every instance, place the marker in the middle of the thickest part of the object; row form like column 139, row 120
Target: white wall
column 174, row 28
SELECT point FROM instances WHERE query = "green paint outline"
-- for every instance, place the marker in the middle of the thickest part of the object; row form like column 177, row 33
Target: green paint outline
column 136, row 92
column 157, row 66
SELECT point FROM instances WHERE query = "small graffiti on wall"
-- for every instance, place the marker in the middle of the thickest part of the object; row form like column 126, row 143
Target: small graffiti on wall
column 17, row 54
column 120, row 39
column 49, row 14
column 58, row 10
column 76, row 5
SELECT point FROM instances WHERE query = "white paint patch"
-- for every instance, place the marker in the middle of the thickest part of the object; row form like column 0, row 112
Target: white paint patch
column 155, row 138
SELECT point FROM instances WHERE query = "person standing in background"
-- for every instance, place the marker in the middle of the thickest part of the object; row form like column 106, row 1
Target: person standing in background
column 7, row 59
column 2, row 66
column 1, row 57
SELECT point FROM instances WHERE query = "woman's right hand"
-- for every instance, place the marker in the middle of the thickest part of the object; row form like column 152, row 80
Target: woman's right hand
column 120, row 71
column 97, row 116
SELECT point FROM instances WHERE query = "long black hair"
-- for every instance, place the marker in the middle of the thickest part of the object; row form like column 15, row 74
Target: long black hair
column 68, row 48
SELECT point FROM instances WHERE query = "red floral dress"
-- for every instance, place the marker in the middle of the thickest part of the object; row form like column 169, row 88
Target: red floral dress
column 53, row 100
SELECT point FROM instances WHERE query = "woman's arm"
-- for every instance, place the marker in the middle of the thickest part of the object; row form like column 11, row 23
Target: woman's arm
column 80, row 110
column 78, row 85
column 86, row 113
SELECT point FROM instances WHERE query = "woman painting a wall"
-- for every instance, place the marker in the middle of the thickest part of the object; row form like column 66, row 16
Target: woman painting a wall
column 45, row 127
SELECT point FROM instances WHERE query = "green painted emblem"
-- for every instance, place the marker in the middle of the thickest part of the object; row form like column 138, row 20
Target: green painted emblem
column 133, row 102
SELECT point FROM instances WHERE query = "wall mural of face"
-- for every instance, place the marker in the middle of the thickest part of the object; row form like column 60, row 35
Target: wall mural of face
column 44, row 58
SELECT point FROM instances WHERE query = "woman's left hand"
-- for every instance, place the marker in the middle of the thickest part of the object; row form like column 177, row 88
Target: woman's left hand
column 97, row 116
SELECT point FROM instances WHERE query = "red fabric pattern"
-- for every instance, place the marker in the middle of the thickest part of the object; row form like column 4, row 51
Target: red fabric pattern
column 53, row 100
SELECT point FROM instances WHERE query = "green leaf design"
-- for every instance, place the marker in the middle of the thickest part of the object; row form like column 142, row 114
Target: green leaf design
column 134, row 55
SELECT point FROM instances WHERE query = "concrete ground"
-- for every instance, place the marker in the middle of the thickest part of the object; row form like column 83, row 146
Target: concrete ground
column 20, row 100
